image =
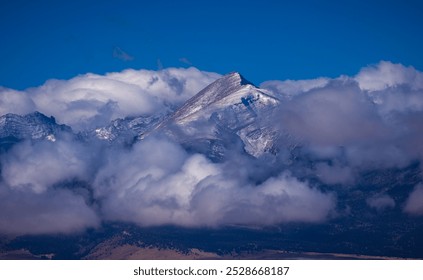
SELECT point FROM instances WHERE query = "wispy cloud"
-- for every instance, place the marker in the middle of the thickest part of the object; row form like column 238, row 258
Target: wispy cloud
column 121, row 54
column 185, row 61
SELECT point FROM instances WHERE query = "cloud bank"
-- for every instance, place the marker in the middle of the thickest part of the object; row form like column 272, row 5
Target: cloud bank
column 189, row 190
column 344, row 126
column 91, row 100
column 370, row 120
column 66, row 187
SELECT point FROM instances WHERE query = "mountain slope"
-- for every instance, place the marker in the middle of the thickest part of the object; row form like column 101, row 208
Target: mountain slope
column 222, row 117
column 34, row 126
column 125, row 131
column 231, row 90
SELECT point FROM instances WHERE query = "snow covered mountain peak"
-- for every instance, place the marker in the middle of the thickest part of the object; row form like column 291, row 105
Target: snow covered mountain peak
column 34, row 126
column 227, row 113
column 236, row 76
column 230, row 90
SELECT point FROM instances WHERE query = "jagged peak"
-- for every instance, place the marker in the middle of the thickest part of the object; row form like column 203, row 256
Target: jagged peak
column 218, row 90
column 236, row 75
column 30, row 116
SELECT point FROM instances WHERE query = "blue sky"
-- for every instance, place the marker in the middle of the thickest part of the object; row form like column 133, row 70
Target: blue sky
column 263, row 40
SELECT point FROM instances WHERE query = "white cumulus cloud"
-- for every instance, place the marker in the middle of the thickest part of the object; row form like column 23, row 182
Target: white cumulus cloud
column 91, row 100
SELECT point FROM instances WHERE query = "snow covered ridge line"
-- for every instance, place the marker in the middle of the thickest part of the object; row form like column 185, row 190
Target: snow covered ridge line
column 231, row 94
column 35, row 126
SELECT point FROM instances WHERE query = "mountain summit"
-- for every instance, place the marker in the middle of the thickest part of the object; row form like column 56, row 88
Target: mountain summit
column 35, row 126
column 230, row 90
column 221, row 117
